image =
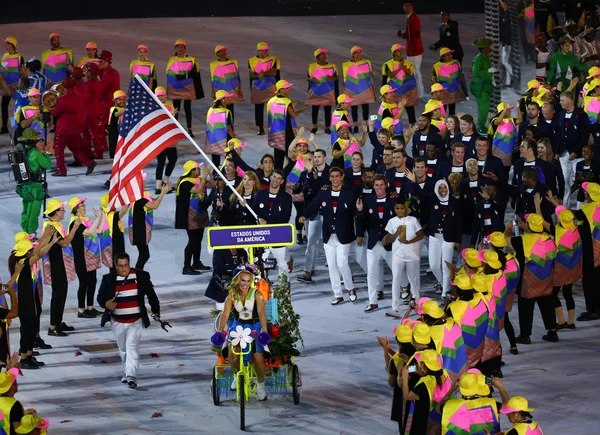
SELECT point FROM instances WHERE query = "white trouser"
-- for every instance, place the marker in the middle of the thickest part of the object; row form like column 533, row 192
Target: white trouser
column 128, row 338
column 375, row 270
column 579, row 204
column 410, row 269
column 505, row 59
column 440, row 251
column 282, row 256
column 465, row 240
column 314, row 236
column 416, row 61
column 568, row 168
column 337, row 263
column 361, row 254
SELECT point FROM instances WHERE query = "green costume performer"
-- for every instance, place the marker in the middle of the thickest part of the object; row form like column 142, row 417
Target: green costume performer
column 481, row 86
column 32, row 192
column 563, row 65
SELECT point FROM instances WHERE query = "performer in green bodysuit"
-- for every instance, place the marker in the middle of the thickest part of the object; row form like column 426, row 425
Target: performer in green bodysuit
column 481, row 86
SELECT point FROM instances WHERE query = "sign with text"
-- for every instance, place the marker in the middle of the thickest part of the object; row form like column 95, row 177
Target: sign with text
column 251, row 236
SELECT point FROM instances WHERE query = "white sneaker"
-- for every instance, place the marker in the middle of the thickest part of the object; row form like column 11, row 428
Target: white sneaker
column 234, row 383
column 261, row 391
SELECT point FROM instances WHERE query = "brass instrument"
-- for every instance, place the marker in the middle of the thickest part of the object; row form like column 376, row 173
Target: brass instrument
column 51, row 96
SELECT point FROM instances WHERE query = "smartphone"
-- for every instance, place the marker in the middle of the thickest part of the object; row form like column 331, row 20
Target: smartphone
column 373, row 117
column 488, row 380
column 412, row 369
column 412, row 303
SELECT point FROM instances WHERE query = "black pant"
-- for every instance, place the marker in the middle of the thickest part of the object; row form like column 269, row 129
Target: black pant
column 5, row 103
column 216, row 159
column 193, row 247
column 509, row 330
column 315, row 115
column 143, row 256
column 259, row 115
column 410, row 111
column 169, row 154
column 365, row 112
column 28, row 333
column 87, row 288
column 299, row 206
column 38, row 313
column 450, row 108
column 60, row 286
column 279, row 158
column 591, row 275
column 526, row 308
column 230, row 107
column 567, row 291
column 187, row 106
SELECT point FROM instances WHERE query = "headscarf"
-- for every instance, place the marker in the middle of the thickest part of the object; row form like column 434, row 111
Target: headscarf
column 443, row 200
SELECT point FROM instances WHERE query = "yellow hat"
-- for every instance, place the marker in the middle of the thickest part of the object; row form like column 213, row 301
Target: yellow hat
column 491, row 258
column 436, row 87
column 355, row 49
column 30, row 422
column 397, row 47
column 503, row 105
column 463, row 282
column 33, row 92
column 593, row 189
column 536, row 222
column 471, row 257
column 592, row 85
column 53, row 35
column 473, row 384
column 262, row 46
column 119, row 94
column 53, row 205
column 91, row 45
column 160, row 91
column 319, row 51
column 283, row 84
column 180, row 42
column 432, row 105
column 7, row 379
column 481, row 282
column 220, row 48
column 343, row 98
column 75, row 201
column 219, row 95
column 385, row 89
column 104, row 201
column 387, row 123
column 421, row 333
column 142, row 47
column 11, row 40
column 404, row 333
column 432, row 360
column 342, row 124
column 445, row 50
column 533, row 84
column 188, row 166
column 22, row 235
column 432, row 309
column 593, row 71
column 23, row 247
column 498, row 240
column 516, row 404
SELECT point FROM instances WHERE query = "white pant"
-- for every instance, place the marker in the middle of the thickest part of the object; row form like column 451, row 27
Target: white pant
column 568, row 168
column 128, row 338
column 282, row 256
column 440, row 251
column 314, row 236
column 375, row 270
column 361, row 254
column 337, row 263
column 411, row 270
column 416, row 61
column 505, row 59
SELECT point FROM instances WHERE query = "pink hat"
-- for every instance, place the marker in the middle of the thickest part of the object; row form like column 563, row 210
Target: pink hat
column 142, row 47
column 560, row 208
column 419, row 308
column 91, row 45
column 53, row 35
column 342, row 124
column 33, row 92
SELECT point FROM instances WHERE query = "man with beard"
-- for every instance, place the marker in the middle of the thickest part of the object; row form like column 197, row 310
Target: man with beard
column 420, row 187
column 488, row 216
column 535, row 119
column 423, row 133
column 437, row 166
column 57, row 62
column 529, row 158
column 396, row 176
column 468, row 135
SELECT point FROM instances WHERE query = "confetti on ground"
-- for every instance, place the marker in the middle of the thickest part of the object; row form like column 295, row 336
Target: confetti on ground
column 66, row 421
column 154, row 355
column 78, row 353
column 157, row 415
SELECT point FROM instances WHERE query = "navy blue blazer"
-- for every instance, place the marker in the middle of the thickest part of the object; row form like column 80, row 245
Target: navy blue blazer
column 368, row 220
column 276, row 210
column 340, row 222
column 451, row 222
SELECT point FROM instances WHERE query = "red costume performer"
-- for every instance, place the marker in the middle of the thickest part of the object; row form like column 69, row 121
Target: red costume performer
column 69, row 129
column 111, row 82
column 95, row 131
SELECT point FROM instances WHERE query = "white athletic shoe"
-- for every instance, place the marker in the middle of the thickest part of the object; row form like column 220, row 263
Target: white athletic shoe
column 261, row 391
column 234, row 383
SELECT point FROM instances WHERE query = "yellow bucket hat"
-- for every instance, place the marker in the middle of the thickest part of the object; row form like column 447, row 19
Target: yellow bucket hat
column 473, row 384
column 31, row 422
column 75, row 201
column 385, row 89
column 536, row 222
column 471, row 258
column 463, row 282
column 188, row 166
column 593, row 189
column 481, row 283
column 7, row 379
column 404, row 333
column 23, row 247
column 516, row 404
column 421, row 333
column 432, row 309
column 53, row 205
column 491, row 258
column 432, row 360
column 498, row 240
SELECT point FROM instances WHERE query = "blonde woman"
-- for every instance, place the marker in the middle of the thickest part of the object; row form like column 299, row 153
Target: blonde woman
column 544, row 149
column 247, row 189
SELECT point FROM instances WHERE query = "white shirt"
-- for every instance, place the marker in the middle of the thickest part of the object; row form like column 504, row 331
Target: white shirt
column 402, row 252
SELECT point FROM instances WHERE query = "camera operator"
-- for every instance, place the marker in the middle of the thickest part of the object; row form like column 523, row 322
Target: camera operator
column 32, row 190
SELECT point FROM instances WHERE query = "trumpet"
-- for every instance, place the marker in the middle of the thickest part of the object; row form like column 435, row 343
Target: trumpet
column 51, row 96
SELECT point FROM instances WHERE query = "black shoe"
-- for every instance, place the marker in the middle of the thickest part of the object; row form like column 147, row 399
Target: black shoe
column 514, row 350
column 107, row 184
column 74, row 164
column 3, row 130
column 551, row 336
column 261, row 131
column 306, row 278
column 41, row 344
column 29, row 364
column 523, row 340
column 39, row 363
column 91, row 168
column 588, row 315
column 314, row 130
column 86, row 315
column 190, row 132
column 56, row 333
column 200, row 266
column 188, row 270
column 327, row 130
column 64, row 327
column 157, row 191
column 57, row 174
column 299, row 239
column 380, row 295
column 371, row 307
column 131, row 382
column 95, row 312
column 356, row 129
column 35, row 353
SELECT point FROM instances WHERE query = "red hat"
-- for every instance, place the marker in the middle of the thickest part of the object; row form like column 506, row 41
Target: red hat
column 93, row 68
column 77, row 73
column 106, row 55
column 69, row 83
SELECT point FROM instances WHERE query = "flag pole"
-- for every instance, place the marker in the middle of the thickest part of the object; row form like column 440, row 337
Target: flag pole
column 209, row 160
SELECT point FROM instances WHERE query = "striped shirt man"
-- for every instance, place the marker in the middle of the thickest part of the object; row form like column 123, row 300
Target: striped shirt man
column 126, row 297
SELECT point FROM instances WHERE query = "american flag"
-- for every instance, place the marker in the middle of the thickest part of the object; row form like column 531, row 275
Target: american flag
column 146, row 130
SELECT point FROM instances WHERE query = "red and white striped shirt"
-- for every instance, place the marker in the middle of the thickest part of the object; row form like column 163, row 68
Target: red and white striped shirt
column 126, row 297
